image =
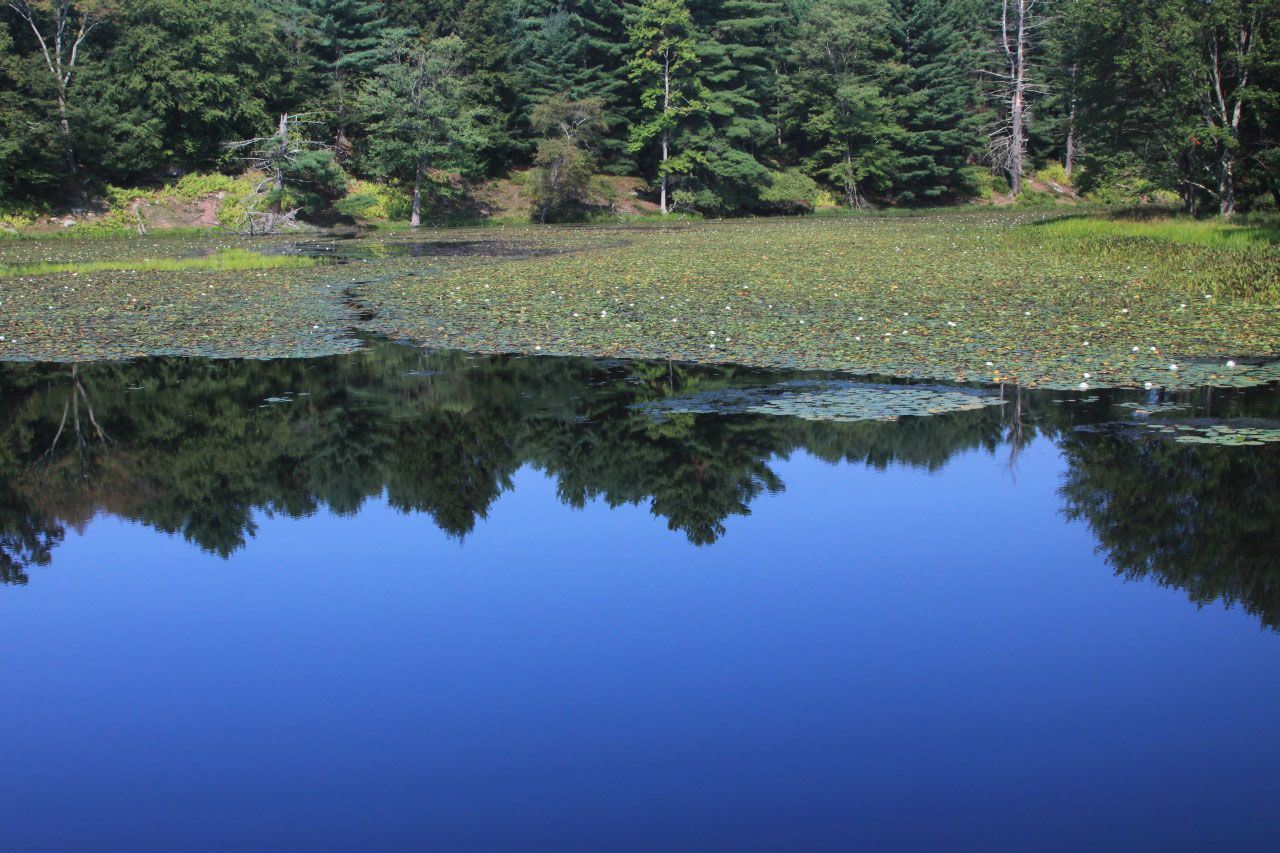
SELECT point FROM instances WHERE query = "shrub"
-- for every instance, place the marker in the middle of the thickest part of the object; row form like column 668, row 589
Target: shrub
column 988, row 185
column 1055, row 173
column 389, row 202
column 193, row 186
column 791, row 191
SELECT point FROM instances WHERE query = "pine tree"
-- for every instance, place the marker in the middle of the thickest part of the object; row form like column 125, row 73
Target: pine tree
column 421, row 113
column 938, row 103
column 348, row 38
column 737, row 50
column 842, row 95
column 576, row 50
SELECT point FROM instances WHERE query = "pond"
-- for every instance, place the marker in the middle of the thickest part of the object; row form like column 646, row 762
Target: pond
column 411, row 598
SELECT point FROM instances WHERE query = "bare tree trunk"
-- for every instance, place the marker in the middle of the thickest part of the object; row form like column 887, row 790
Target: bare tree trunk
column 415, row 218
column 1226, row 101
column 1008, row 145
column 662, row 194
column 1019, row 102
column 66, row 134
column 666, row 134
column 1227, row 186
column 1069, row 159
column 850, row 185
column 277, row 186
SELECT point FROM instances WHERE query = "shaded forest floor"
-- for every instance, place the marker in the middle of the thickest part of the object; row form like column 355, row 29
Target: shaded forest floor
column 973, row 295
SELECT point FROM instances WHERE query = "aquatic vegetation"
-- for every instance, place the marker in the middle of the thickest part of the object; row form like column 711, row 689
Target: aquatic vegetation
column 229, row 260
column 825, row 400
column 1223, row 434
column 969, row 297
column 1256, row 235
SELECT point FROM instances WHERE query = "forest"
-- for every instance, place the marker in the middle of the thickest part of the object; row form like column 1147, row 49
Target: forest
column 720, row 107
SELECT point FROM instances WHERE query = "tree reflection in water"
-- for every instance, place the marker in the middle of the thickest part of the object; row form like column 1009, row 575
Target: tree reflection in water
column 197, row 447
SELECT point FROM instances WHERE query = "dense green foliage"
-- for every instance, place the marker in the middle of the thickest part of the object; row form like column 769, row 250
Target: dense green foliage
column 709, row 101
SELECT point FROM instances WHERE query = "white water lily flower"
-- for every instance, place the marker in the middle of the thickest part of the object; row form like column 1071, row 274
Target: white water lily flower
column 1229, row 363
column 1086, row 376
column 1084, row 386
column 1173, row 367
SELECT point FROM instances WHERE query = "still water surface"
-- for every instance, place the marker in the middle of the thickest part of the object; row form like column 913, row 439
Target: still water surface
column 403, row 599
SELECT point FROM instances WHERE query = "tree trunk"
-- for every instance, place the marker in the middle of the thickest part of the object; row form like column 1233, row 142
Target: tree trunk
column 1014, row 39
column 415, row 218
column 277, row 187
column 66, row 133
column 850, row 188
column 1227, row 186
column 666, row 133
column 662, row 198
column 1069, row 160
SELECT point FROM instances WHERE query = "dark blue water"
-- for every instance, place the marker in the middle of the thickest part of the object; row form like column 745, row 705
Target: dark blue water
column 460, row 603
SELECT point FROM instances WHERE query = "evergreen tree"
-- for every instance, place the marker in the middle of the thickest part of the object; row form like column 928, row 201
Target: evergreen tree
column 938, row 103
column 737, row 50
column 29, row 164
column 349, row 39
column 843, row 95
column 421, row 112
column 180, row 79
column 576, row 50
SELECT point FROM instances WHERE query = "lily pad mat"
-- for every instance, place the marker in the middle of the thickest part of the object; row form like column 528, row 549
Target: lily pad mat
column 971, row 297
column 825, row 400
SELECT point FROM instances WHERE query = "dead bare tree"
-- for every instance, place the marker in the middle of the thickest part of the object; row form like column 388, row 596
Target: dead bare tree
column 273, row 155
column 1016, row 44
column 71, row 22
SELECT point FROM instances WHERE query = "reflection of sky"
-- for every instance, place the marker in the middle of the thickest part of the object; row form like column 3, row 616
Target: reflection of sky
column 898, row 658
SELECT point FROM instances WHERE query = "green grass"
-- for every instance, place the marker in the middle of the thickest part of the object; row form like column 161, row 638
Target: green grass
column 227, row 260
column 1246, row 235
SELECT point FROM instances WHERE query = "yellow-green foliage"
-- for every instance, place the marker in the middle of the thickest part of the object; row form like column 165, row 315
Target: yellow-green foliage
column 17, row 218
column 231, row 211
column 1253, row 235
column 120, row 218
column 194, row 186
column 376, row 202
column 988, row 185
column 226, row 260
column 1055, row 173
column 825, row 199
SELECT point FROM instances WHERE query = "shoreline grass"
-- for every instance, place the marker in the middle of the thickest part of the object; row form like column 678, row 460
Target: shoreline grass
column 1246, row 235
column 226, row 260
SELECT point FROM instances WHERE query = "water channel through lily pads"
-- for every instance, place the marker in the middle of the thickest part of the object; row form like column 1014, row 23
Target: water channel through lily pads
column 965, row 297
